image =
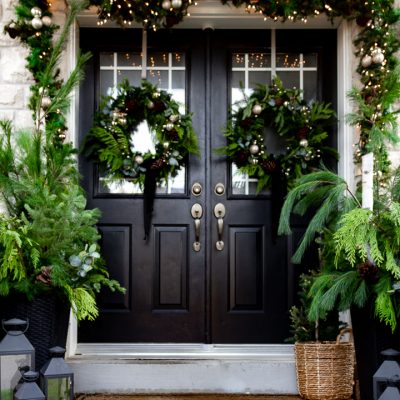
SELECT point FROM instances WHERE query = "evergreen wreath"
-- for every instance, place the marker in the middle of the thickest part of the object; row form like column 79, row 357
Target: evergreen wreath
column 300, row 126
column 109, row 141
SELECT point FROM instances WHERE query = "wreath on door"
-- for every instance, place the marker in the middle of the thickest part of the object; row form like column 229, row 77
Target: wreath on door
column 110, row 141
column 300, row 127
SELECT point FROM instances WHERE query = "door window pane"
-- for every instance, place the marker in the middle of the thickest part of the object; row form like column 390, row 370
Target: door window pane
column 168, row 72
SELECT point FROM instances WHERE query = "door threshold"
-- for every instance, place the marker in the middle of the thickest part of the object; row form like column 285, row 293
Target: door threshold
column 185, row 351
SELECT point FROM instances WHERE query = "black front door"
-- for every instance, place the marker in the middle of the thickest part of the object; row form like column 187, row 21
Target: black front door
column 238, row 292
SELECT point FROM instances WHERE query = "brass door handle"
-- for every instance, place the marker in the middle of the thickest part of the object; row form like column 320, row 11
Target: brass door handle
column 197, row 213
column 219, row 212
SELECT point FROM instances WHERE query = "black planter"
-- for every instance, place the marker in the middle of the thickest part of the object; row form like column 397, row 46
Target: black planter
column 48, row 318
column 370, row 337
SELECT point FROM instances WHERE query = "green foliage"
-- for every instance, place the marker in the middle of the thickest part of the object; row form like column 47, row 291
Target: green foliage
column 303, row 328
column 360, row 248
column 300, row 128
column 109, row 140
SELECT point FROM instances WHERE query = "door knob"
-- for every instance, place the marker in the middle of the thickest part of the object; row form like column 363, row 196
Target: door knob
column 219, row 212
column 197, row 213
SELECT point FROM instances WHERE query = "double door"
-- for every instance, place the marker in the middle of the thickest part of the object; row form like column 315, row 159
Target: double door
column 213, row 269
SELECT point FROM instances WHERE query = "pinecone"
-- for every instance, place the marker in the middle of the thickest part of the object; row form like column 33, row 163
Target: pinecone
column 363, row 20
column 158, row 164
column 158, row 106
column 44, row 276
column 368, row 271
column 269, row 166
column 173, row 135
column 246, row 123
column 279, row 101
column 302, row 132
column 241, row 159
column 130, row 104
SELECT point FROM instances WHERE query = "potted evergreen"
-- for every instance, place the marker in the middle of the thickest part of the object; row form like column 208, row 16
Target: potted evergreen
column 359, row 250
column 49, row 254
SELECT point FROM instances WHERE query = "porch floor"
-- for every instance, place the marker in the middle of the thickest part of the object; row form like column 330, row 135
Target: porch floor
column 183, row 397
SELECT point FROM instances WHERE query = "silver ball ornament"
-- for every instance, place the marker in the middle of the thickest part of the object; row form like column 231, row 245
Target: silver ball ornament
column 47, row 21
column 36, row 11
column 173, row 117
column 166, row 4
column 176, row 4
column 166, row 145
column 254, row 149
column 169, row 126
column 150, row 105
column 256, row 109
column 139, row 160
column 46, row 102
column 366, row 61
column 378, row 57
column 303, row 142
column 36, row 23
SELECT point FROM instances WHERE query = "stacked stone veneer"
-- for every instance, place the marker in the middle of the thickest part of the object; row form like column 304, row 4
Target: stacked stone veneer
column 15, row 79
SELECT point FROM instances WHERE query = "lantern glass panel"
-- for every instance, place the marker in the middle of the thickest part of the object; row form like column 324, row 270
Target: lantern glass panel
column 59, row 388
column 10, row 373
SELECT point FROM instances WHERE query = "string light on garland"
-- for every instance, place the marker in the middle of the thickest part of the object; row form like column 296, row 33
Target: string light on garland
column 152, row 14
column 300, row 126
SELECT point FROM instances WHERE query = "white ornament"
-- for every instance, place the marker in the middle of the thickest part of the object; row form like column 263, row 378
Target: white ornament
column 366, row 61
column 303, row 142
column 46, row 102
column 256, row 109
column 46, row 20
column 166, row 145
column 166, row 5
column 36, row 23
column 173, row 117
column 36, row 12
column 377, row 56
column 176, row 4
column 254, row 149
column 139, row 160
column 150, row 105
column 169, row 126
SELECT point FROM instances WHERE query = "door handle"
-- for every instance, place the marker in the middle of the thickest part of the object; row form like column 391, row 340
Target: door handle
column 197, row 213
column 219, row 212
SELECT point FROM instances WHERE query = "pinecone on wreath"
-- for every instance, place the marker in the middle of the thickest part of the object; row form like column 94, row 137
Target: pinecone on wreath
column 368, row 271
column 173, row 135
column 270, row 165
column 158, row 164
column 241, row 159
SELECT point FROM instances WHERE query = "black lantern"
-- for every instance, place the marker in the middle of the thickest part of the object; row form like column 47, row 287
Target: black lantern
column 16, row 354
column 29, row 390
column 56, row 377
column 392, row 390
column 388, row 369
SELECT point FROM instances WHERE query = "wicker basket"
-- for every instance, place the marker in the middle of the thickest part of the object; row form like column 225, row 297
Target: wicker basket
column 325, row 370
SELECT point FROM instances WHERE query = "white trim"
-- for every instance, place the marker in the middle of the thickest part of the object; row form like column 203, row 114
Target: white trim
column 344, row 84
column 183, row 351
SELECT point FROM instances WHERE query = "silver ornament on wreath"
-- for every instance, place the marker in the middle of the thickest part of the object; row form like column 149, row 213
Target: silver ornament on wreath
column 139, row 160
column 303, row 142
column 169, row 126
column 166, row 4
column 36, row 12
column 173, row 118
column 254, row 149
column 176, row 4
column 257, row 109
column 36, row 23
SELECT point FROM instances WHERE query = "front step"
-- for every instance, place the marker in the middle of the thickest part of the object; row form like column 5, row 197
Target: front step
column 185, row 368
